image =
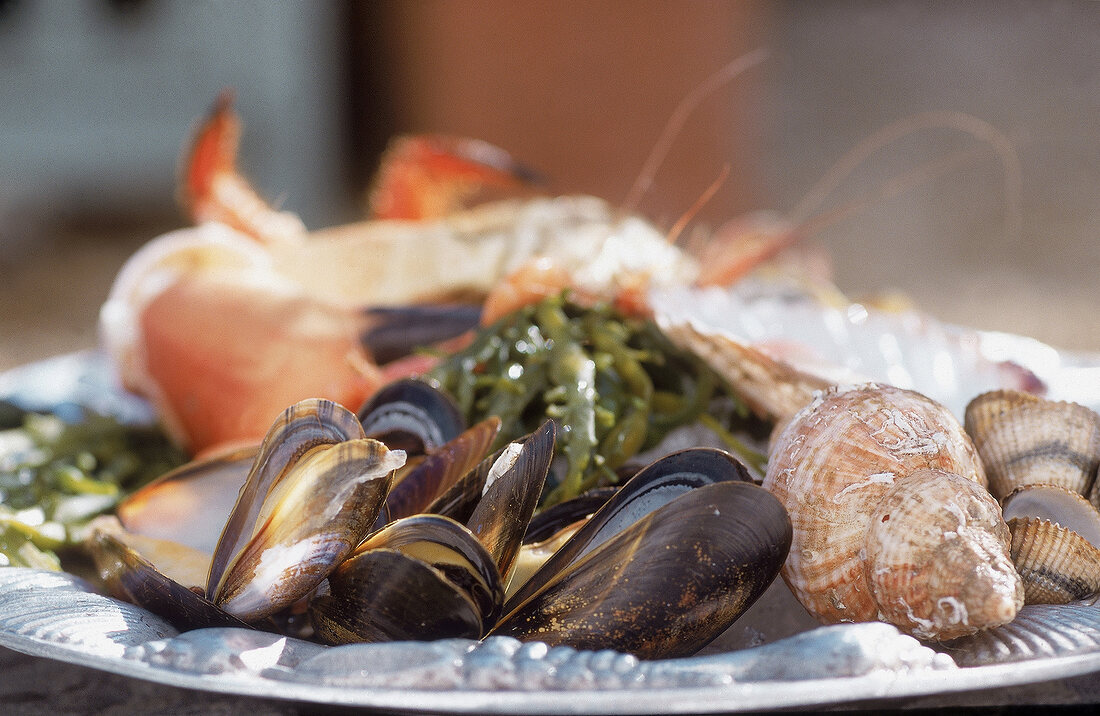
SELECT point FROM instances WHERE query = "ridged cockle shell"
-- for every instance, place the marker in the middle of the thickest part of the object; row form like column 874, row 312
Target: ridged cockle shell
column 1025, row 439
column 891, row 516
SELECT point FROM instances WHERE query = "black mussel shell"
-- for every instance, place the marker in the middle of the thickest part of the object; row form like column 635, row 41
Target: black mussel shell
column 511, row 494
column 452, row 549
column 460, row 499
column 131, row 577
column 651, row 488
column 411, row 415
column 439, row 470
column 668, row 584
column 384, row 595
column 396, row 331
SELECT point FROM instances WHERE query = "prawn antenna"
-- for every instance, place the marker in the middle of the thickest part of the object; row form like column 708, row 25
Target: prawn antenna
column 680, row 116
column 696, row 207
column 960, row 121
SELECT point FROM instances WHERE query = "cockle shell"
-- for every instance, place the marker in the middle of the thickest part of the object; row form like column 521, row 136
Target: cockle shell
column 1042, row 457
column 1055, row 543
column 891, row 517
column 1024, row 439
column 1057, row 565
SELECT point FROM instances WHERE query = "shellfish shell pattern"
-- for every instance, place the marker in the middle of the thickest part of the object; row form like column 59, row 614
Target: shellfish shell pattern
column 1042, row 456
column 1024, row 439
column 891, row 517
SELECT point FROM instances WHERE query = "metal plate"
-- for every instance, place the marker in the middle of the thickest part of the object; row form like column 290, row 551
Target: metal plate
column 773, row 657
column 57, row 616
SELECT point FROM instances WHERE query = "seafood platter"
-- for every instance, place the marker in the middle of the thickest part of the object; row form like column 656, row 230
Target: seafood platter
column 492, row 450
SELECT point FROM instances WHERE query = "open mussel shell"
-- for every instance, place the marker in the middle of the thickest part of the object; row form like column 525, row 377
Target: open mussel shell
column 190, row 504
column 669, row 583
column 459, row 500
column 308, row 524
column 131, row 577
column 180, row 563
column 650, row 489
column 411, row 415
column 1024, row 439
column 439, row 470
column 301, row 427
column 423, row 577
column 511, row 493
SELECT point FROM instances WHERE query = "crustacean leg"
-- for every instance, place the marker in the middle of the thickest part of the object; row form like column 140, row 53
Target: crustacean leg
column 211, row 189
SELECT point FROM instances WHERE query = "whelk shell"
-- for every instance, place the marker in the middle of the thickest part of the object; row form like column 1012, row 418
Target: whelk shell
column 875, row 481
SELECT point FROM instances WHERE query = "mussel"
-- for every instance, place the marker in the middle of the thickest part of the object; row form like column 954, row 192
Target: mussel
column 310, row 497
column 330, row 525
column 411, row 415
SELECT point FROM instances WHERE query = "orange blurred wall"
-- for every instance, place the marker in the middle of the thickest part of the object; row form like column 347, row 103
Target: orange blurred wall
column 581, row 91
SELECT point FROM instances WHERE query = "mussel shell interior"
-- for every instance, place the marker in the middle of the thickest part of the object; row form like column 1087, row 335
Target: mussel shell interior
column 190, row 504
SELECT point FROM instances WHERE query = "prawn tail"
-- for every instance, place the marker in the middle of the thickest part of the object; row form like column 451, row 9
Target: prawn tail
column 430, row 176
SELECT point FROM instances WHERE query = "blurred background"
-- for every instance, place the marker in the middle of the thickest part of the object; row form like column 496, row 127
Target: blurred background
column 985, row 214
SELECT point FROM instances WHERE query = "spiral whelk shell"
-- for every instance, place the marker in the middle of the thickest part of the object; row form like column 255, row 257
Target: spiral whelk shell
column 891, row 517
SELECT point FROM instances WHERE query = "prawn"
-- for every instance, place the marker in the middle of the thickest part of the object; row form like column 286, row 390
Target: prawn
column 224, row 324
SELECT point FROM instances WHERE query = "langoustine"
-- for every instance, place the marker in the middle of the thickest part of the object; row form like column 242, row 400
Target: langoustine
column 226, row 324
column 305, row 308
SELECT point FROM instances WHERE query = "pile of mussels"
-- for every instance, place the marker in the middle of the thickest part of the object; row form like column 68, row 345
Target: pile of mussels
column 397, row 523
